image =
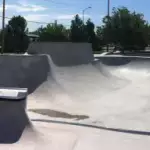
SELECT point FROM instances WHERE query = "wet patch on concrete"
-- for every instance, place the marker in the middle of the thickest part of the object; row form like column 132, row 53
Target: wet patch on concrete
column 58, row 114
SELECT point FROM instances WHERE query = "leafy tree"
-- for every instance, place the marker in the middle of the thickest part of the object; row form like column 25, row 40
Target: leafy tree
column 52, row 32
column 18, row 24
column 90, row 27
column 78, row 30
column 100, row 37
column 16, row 40
column 81, row 32
column 100, row 34
column 90, row 31
column 127, row 29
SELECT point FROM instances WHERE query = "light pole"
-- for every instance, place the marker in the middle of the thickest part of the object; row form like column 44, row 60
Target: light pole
column 84, row 12
column 3, row 28
column 108, row 8
column 108, row 16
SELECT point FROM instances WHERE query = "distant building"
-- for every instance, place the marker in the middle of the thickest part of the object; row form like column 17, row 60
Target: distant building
column 33, row 37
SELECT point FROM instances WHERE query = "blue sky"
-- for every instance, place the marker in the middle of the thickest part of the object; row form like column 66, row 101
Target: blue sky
column 64, row 10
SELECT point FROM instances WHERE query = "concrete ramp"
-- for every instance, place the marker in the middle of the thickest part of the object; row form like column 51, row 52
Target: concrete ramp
column 23, row 71
column 113, row 91
column 64, row 54
column 131, row 67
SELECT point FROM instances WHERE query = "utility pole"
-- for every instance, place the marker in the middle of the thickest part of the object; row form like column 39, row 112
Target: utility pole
column 108, row 16
column 3, row 28
column 108, row 8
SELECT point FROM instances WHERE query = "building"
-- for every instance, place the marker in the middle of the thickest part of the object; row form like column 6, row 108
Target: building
column 33, row 37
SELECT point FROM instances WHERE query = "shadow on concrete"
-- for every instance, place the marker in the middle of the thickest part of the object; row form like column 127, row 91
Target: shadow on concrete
column 58, row 114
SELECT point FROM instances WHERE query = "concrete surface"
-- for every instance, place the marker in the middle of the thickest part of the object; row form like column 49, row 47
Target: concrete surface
column 112, row 92
column 65, row 137
column 64, row 53
column 49, row 135
column 23, row 71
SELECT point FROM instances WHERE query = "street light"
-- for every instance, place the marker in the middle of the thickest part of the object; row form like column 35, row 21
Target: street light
column 108, row 17
column 84, row 12
column 3, row 28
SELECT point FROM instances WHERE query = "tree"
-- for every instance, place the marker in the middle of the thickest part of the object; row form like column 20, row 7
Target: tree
column 16, row 40
column 100, row 37
column 81, row 32
column 78, row 30
column 90, row 31
column 52, row 32
column 90, row 27
column 18, row 24
column 127, row 29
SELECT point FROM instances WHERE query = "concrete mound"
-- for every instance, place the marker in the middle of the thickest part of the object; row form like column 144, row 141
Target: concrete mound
column 64, row 54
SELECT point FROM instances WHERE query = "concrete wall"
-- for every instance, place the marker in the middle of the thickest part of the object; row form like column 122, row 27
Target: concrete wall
column 64, row 54
column 23, row 71
column 13, row 121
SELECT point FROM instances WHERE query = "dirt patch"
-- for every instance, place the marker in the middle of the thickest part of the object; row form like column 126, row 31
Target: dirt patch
column 58, row 114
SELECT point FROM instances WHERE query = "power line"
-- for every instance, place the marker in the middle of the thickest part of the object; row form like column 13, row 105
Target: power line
column 30, row 21
column 38, row 22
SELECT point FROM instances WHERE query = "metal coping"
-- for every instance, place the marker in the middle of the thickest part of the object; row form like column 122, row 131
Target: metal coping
column 13, row 94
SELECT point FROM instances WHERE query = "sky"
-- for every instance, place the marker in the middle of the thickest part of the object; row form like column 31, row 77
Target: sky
column 47, row 11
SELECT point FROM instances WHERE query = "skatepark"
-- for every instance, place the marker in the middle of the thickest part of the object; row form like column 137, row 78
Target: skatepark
column 67, row 84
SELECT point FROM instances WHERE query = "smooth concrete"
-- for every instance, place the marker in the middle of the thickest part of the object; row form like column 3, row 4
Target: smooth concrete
column 65, row 137
column 23, row 71
column 112, row 91
column 64, row 53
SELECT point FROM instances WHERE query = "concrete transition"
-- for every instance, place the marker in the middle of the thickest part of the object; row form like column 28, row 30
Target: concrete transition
column 111, row 92
column 23, row 71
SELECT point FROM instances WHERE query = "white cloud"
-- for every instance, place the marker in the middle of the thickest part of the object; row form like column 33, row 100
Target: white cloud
column 69, row 17
column 24, row 8
column 36, row 17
